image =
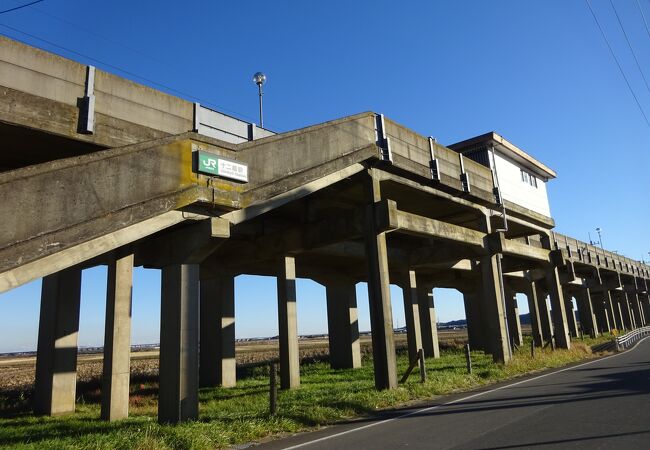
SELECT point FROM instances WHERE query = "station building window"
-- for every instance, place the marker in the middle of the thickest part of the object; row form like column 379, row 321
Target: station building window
column 528, row 178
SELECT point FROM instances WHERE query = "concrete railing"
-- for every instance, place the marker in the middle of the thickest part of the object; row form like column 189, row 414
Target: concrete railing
column 629, row 339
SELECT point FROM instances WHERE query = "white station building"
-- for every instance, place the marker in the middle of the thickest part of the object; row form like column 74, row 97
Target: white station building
column 521, row 178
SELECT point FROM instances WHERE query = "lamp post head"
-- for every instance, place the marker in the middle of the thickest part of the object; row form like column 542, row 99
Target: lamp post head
column 259, row 78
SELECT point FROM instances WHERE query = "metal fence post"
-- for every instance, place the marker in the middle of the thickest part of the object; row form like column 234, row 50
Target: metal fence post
column 423, row 370
column 468, row 357
column 273, row 389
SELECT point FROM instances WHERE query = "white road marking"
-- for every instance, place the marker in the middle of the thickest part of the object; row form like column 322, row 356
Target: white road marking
column 478, row 394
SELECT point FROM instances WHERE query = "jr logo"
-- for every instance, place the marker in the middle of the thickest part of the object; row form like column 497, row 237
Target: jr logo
column 209, row 163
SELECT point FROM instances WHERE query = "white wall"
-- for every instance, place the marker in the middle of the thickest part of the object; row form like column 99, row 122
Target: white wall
column 516, row 191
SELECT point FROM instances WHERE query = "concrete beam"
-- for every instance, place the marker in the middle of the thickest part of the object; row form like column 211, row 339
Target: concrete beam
column 117, row 339
column 86, row 250
column 343, row 325
column 179, row 344
column 56, row 358
column 288, row 324
column 217, row 365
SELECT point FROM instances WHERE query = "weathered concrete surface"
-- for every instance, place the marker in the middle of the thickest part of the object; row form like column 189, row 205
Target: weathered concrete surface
column 428, row 321
column 381, row 315
column 288, row 324
column 117, row 339
column 343, row 324
column 412, row 315
column 179, row 344
column 217, row 332
column 56, row 360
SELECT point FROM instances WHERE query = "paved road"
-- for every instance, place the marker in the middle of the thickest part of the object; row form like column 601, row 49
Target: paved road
column 600, row 404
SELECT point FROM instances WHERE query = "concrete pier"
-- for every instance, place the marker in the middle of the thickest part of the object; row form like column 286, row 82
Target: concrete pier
column 474, row 316
column 381, row 314
column 612, row 311
column 412, row 315
column 558, row 309
column 428, row 321
column 288, row 324
column 56, row 359
column 586, row 311
column 217, row 366
column 179, row 344
column 533, row 308
column 117, row 339
column 514, row 321
column 343, row 325
column 570, row 315
column 545, row 317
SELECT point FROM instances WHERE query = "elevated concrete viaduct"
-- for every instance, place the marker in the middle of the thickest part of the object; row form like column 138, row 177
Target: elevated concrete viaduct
column 99, row 170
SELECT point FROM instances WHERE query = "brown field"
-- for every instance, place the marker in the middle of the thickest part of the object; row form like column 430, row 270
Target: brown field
column 17, row 373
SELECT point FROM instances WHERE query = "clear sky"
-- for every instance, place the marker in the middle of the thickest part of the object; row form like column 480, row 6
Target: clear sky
column 537, row 72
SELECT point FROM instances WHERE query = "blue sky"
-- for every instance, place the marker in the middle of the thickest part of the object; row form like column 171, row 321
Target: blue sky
column 537, row 72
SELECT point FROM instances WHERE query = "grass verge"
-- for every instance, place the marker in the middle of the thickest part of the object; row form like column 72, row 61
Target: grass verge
column 240, row 414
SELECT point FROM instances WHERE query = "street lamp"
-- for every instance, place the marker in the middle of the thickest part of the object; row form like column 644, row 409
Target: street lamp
column 600, row 238
column 259, row 79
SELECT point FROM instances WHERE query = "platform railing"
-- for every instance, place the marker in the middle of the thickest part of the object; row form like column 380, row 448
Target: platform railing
column 627, row 340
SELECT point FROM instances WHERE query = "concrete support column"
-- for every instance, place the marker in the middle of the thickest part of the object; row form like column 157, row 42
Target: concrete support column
column 179, row 344
column 343, row 325
column 570, row 314
column 612, row 311
column 412, row 315
column 514, row 322
column 558, row 309
column 493, row 309
column 636, row 298
column 381, row 315
column 626, row 311
column 56, row 358
column 117, row 339
column 217, row 365
column 533, row 307
column 288, row 325
column 645, row 306
column 428, row 321
column 586, row 311
column 545, row 317
column 474, row 318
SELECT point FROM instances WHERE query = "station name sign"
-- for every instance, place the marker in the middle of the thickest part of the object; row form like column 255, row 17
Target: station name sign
column 215, row 165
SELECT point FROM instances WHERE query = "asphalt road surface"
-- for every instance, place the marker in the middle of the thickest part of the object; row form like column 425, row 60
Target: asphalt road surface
column 599, row 404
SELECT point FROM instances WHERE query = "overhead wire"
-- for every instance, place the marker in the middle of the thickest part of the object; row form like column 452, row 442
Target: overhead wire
column 629, row 44
column 21, row 6
column 643, row 17
column 127, row 72
column 618, row 64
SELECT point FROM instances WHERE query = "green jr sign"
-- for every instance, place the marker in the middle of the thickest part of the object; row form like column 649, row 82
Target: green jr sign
column 211, row 164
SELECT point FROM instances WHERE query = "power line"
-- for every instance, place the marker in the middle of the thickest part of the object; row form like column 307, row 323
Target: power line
column 611, row 50
column 112, row 66
column 643, row 17
column 629, row 44
column 21, row 6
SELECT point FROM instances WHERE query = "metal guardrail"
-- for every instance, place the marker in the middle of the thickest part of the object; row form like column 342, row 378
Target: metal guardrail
column 629, row 339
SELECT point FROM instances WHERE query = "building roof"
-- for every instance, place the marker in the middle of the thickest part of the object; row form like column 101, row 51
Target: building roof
column 508, row 149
